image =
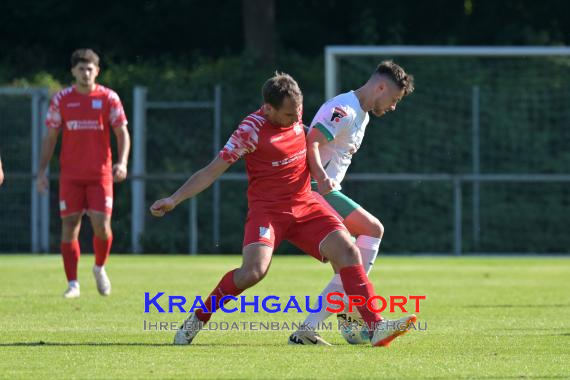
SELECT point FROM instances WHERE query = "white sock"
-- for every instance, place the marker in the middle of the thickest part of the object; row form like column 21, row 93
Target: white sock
column 73, row 284
column 368, row 247
column 98, row 268
column 335, row 285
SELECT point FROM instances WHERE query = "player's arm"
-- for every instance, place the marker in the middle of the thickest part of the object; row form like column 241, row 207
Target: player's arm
column 48, row 146
column 241, row 142
column 198, row 182
column 315, row 140
column 123, row 148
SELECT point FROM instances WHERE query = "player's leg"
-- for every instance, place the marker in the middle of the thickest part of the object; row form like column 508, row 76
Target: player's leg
column 368, row 231
column 256, row 259
column 100, row 208
column 314, row 222
column 320, row 234
column 71, row 206
column 70, row 252
column 102, row 241
column 102, row 236
column 338, row 248
column 309, row 239
column 262, row 234
column 356, row 283
column 358, row 221
column 255, row 264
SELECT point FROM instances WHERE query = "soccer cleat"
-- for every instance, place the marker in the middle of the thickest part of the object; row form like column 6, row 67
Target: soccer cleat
column 386, row 330
column 72, row 292
column 188, row 330
column 103, row 282
column 307, row 338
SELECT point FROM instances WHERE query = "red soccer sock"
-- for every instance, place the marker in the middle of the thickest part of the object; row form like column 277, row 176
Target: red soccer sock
column 102, row 249
column 70, row 253
column 226, row 287
column 355, row 283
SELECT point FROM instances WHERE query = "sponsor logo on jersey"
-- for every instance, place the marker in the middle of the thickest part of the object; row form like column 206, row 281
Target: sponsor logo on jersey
column 73, row 105
column 338, row 113
column 288, row 160
column 264, row 233
column 76, row 125
column 96, row 104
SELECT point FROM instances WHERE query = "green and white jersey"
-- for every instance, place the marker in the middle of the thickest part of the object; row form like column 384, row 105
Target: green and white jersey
column 343, row 122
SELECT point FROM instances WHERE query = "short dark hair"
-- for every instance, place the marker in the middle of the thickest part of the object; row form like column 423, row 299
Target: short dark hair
column 280, row 86
column 397, row 75
column 85, row 56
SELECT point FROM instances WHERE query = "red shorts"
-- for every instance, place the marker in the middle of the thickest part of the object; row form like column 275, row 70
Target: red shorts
column 303, row 223
column 77, row 196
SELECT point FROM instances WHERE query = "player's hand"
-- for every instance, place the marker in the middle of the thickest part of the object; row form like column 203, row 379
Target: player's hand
column 42, row 182
column 327, row 185
column 162, row 206
column 119, row 172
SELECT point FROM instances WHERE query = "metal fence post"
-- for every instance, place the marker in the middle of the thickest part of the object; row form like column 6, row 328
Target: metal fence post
column 475, row 119
column 457, row 216
column 193, row 226
column 35, row 196
column 331, row 68
column 44, row 198
column 216, row 148
column 139, row 167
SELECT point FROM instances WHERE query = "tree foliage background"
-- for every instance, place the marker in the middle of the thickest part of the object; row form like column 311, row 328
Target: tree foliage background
column 182, row 48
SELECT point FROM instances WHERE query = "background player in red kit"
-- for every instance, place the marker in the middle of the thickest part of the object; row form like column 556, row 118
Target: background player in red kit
column 84, row 114
column 281, row 207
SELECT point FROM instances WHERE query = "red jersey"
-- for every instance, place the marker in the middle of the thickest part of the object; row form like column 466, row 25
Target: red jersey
column 275, row 156
column 86, row 121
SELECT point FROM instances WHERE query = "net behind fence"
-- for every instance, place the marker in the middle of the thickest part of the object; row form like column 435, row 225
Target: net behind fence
column 15, row 150
column 469, row 115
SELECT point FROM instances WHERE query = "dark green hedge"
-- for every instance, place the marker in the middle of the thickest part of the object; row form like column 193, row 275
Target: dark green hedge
column 524, row 129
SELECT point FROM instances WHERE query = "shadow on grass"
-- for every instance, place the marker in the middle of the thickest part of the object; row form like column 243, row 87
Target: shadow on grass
column 512, row 306
column 122, row 344
column 64, row 344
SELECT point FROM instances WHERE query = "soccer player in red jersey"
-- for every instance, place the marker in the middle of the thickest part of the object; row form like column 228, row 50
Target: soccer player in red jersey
column 84, row 114
column 281, row 207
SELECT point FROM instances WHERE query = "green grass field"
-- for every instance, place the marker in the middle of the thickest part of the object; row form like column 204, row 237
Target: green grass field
column 485, row 318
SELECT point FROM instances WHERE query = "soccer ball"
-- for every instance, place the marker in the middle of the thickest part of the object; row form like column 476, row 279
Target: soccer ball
column 353, row 328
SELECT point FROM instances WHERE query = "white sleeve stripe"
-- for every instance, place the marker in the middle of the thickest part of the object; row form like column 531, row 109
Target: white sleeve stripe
column 254, row 120
column 260, row 119
column 248, row 123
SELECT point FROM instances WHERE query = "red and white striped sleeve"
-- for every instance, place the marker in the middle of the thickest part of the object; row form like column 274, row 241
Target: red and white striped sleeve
column 244, row 140
column 117, row 117
column 53, row 117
